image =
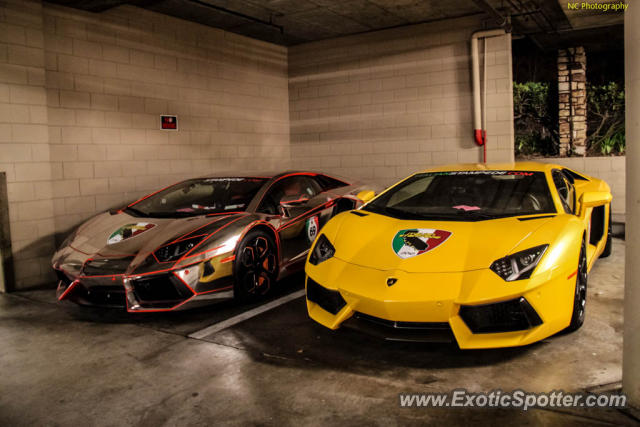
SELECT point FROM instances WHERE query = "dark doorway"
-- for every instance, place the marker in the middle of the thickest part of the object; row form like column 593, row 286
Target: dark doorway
column 6, row 264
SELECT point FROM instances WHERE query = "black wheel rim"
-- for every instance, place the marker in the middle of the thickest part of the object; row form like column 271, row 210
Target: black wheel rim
column 581, row 284
column 258, row 263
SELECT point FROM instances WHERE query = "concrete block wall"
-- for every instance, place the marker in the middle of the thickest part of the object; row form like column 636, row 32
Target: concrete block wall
column 109, row 76
column 382, row 105
column 611, row 169
column 24, row 140
column 80, row 101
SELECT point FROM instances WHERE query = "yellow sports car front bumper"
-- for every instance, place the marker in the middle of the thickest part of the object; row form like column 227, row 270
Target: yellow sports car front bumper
column 421, row 299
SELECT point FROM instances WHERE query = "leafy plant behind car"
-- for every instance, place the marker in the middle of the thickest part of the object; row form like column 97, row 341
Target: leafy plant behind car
column 536, row 119
column 605, row 118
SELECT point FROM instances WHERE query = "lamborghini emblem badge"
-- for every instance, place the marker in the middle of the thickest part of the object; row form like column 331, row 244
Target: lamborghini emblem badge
column 391, row 281
column 416, row 241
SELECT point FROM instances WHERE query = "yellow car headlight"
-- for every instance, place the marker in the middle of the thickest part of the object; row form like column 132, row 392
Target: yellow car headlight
column 520, row 265
column 322, row 251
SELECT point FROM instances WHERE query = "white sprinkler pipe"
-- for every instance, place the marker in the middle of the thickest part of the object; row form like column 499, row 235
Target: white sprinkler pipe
column 480, row 134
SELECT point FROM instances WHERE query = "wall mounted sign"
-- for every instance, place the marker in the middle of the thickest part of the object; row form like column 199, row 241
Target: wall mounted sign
column 169, row 122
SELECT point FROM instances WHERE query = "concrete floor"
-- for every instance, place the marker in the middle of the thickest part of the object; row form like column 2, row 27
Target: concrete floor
column 61, row 364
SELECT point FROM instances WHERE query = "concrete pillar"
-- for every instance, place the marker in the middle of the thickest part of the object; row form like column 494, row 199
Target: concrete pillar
column 631, row 356
column 572, row 101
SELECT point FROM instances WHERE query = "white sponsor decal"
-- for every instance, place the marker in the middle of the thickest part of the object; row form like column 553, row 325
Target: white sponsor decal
column 312, row 228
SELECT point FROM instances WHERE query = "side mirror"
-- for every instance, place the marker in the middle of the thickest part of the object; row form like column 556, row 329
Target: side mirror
column 288, row 204
column 366, row 195
column 294, row 200
column 594, row 198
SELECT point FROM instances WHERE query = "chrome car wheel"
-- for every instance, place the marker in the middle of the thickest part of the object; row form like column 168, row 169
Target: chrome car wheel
column 256, row 266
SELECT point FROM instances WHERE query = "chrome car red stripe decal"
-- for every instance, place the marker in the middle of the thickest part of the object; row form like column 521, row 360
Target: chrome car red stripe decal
column 189, row 255
column 201, row 293
column 69, row 288
column 308, row 214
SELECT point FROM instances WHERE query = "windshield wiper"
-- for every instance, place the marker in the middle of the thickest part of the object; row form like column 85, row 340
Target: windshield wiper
column 402, row 213
column 174, row 214
column 135, row 211
column 458, row 215
column 426, row 216
column 476, row 214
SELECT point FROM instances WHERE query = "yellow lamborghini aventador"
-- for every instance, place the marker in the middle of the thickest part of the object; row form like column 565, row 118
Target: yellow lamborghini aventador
column 488, row 255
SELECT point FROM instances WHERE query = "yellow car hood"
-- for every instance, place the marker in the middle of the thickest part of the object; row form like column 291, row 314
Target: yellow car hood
column 386, row 243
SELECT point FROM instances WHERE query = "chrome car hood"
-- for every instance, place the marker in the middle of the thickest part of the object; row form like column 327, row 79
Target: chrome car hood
column 133, row 239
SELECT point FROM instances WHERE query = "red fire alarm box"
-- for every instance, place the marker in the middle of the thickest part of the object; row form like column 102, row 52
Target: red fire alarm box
column 169, row 122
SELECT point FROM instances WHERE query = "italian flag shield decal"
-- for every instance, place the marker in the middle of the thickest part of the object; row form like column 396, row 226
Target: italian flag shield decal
column 416, row 241
column 128, row 231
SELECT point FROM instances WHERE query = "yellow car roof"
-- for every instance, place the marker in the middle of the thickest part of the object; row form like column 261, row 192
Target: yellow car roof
column 523, row 166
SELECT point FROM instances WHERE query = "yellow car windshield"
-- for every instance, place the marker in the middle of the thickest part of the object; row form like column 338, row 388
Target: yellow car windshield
column 466, row 196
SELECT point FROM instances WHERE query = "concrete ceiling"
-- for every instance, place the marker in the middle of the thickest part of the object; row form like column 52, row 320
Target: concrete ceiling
column 290, row 22
column 583, row 17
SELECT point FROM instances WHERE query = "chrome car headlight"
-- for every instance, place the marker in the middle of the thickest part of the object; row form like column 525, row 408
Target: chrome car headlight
column 520, row 265
column 322, row 251
column 175, row 250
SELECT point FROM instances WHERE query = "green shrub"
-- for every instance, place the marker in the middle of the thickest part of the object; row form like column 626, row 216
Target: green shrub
column 535, row 108
column 605, row 118
column 535, row 119
column 612, row 145
column 534, row 145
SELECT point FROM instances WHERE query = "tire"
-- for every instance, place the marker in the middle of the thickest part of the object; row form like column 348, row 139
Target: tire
column 580, row 293
column 608, row 248
column 255, row 268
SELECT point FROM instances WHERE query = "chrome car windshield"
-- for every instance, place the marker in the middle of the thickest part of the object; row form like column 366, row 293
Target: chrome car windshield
column 199, row 197
column 466, row 196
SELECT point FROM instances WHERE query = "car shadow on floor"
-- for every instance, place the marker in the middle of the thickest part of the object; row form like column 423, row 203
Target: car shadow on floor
column 181, row 322
column 287, row 336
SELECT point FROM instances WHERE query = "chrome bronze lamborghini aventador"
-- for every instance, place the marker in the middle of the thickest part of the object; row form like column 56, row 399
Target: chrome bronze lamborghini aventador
column 201, row 240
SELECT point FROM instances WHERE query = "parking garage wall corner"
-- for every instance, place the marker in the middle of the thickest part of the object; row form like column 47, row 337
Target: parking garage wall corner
column 81, row 96
column 382, row 105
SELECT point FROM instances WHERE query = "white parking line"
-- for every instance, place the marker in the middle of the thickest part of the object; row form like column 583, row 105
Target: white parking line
column 217, row 327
